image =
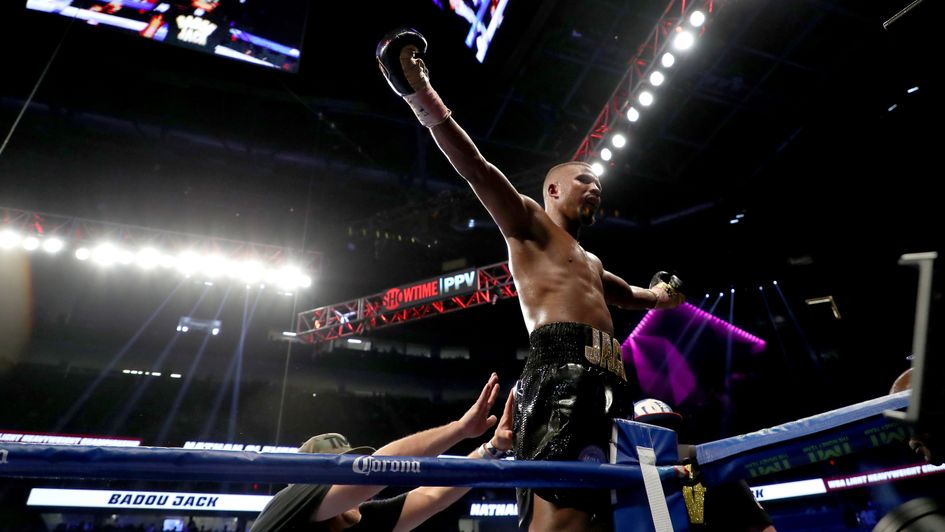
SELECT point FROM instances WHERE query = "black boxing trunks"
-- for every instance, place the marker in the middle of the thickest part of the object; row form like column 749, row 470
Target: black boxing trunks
column 574, row 384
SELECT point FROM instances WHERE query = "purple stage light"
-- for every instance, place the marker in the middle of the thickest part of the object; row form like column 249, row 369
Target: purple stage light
column 659, row 348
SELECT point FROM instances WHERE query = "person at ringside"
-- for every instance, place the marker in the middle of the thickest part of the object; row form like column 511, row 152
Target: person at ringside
column 574, row 382
column 923, row 444
column 726, row 507
column 330, row 508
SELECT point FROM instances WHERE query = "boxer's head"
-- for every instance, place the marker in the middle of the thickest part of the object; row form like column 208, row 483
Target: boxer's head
column 572, row 190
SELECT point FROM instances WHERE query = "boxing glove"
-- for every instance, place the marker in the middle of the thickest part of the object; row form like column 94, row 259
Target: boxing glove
column 668, row 290
column 398, row 58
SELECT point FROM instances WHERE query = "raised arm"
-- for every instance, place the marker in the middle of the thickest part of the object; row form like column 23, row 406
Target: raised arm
column 425, row 502
column 430, row 442
column 398, row 56
column 663, row 292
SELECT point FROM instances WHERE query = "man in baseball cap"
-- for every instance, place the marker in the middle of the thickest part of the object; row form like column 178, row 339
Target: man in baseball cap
column 332, row 443
column 329, row 508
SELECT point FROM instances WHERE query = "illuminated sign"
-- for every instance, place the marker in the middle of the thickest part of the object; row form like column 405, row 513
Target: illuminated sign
column 194, row 30
column 187, row 324
column 787, row 490
column 508, row 509
column 443, row 286
column 484, row 18
column 66, row 439
column 215, row 446
column 148, row 500
column 817, row 486
column 222, row 28
column 882, row 476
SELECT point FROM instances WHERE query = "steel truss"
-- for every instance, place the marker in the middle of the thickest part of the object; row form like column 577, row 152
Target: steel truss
column 359, row 316
column 81, row 231
column 639, row 67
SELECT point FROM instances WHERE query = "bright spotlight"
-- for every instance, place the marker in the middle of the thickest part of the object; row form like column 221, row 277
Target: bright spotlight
column 125, row 257
column 668, row 60
column 597, row 168
column 305, row 281
column 619, row 141
column 52, row 245
column 105, row 255
column 148, row 258
column 215, row 331
column 645, row 98
column 683, row 40
column 214, row 266
column 289, row 277
column 83, row 253
column 632, row 114
column 657, row 78
column 188, row 262
column 30, row 243
column 697, row 18
column 9, row 239
column 606, row 154
column 271, row 276
column 250, row 271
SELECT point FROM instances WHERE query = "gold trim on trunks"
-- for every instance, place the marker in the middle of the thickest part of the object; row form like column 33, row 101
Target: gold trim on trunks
column 604, row 352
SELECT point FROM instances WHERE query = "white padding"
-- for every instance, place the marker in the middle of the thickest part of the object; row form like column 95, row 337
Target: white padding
column 654, row 490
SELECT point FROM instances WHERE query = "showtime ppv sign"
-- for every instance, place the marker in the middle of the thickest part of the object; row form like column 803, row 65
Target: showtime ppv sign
column 451, row 284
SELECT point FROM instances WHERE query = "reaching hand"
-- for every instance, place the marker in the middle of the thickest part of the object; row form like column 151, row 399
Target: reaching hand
column 477, row 419
column 503, row 439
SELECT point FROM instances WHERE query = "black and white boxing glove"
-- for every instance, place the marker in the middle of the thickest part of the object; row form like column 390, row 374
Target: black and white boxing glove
column 398, row 57
column 668, row 290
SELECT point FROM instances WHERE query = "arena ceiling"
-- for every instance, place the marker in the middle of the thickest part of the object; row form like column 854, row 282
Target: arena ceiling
column 783, row 115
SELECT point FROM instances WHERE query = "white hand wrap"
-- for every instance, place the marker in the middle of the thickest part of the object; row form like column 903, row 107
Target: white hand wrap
column 428, row 107
column 490, row 452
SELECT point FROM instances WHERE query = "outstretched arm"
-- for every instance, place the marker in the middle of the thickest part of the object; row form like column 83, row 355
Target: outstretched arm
column 398, row 55
column 511, row 211
column 430, row 442
column 425, row 502
column 660, row 295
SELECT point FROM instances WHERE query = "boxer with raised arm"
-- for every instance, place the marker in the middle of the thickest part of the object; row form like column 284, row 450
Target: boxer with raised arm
column 574, row 382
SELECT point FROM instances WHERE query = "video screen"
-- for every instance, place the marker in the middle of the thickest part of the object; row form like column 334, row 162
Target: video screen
column 484, row 18
column 261, row 32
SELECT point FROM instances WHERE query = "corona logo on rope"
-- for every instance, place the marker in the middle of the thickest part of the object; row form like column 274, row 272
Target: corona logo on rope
column 365, row 465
